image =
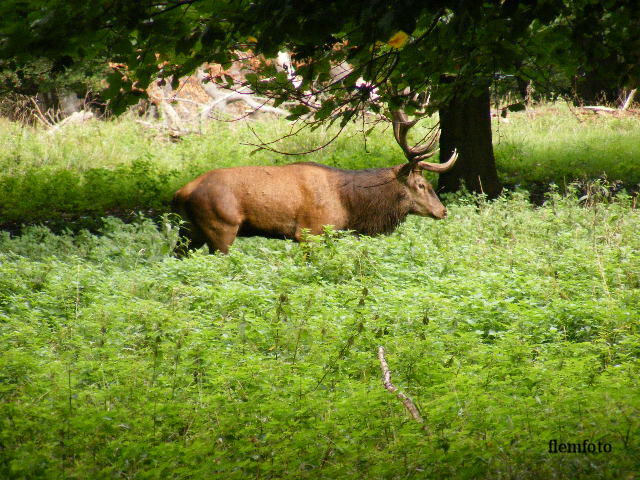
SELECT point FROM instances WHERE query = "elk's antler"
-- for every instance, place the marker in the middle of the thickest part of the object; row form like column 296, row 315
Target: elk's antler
column 415, row 154
column 401, row 126
column 439, row 167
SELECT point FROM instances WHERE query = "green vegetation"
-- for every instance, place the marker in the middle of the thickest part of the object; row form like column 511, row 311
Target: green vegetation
column 511, row 325
column 119, row 165
column 508, row 325
column 346, row 57
column 559, row 145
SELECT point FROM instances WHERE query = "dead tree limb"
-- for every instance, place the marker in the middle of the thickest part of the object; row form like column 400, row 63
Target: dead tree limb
column 386, row 381
column 40, row 115
column 220, row 98
column 75, row 118
column 623, row 106
column 629, row 100
column 599, row 108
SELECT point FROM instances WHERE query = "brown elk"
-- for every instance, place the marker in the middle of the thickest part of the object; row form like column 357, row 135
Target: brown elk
column 283, row 201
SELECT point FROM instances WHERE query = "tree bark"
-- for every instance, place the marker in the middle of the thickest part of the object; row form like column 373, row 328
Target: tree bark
column 465, row 124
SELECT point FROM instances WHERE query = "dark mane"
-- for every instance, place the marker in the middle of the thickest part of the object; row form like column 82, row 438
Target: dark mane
column 377, row 203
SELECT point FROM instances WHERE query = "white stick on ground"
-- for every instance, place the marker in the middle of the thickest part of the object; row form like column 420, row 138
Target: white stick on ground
column 624, row 106
column 386, row 381
column 629, row 100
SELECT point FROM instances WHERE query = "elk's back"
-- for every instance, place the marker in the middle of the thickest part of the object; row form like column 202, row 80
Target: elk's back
column 265, row 200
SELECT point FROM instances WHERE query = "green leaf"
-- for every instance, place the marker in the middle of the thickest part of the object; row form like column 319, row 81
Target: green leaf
column 325, row 109
column 212, row 33
column 516, row 107
column 297, row 111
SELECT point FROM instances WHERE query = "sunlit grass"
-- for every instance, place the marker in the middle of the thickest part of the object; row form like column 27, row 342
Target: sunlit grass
column 558, row 144
column 508, row 324
column 120, row 164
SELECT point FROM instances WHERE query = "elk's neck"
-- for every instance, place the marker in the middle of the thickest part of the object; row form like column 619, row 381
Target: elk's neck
column 375, row 201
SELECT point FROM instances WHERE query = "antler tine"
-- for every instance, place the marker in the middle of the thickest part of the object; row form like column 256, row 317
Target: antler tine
column 430, row 149
column 401, row 126
column 439, row 167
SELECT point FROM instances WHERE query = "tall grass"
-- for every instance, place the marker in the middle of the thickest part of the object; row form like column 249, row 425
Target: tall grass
column 559, row 145
column 509, row 325
column 121, row 165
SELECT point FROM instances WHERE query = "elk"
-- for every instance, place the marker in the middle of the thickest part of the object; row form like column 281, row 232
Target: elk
column 284, row 201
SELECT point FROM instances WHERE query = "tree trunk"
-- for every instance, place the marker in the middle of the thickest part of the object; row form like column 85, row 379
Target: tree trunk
column 465, row 123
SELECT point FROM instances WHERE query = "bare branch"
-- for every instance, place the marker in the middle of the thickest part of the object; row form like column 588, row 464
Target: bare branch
column 265, row 145
column 39, row 115
column 622, row 110
column 173, row 6
column 234, row 95
column 386, row 381
column 627, row 103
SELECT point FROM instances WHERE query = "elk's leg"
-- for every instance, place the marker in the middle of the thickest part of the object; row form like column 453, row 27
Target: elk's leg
column 220, row 236
column 306, row 228
column 190, row 234
column 192, row 238
column 216, row 213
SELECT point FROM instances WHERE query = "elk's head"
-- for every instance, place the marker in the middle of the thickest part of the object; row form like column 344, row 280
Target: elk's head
column 424, row 201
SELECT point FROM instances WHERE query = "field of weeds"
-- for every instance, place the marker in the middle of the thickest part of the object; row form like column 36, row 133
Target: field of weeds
column 509, row 325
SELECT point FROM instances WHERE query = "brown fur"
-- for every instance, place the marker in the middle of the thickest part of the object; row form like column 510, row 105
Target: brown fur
column 364, row 192
column 282, row 201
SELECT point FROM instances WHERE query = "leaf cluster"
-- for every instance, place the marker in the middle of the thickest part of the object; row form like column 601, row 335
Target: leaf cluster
column 467, row 42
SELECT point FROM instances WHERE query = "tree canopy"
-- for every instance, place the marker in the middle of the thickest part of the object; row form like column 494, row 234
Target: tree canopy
column 389, row 45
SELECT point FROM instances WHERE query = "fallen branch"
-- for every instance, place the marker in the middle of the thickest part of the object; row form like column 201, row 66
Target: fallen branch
column 597, row 108
column 257, row 104
column 629, row 100
column 40, row 115
column 75, row 118
column 220, row 98
column 171, row 117
column 386, row 381
column 623, row 107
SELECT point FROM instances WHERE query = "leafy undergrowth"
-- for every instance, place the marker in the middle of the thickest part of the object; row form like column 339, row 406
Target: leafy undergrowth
column 508, row 325
column 119, row 166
